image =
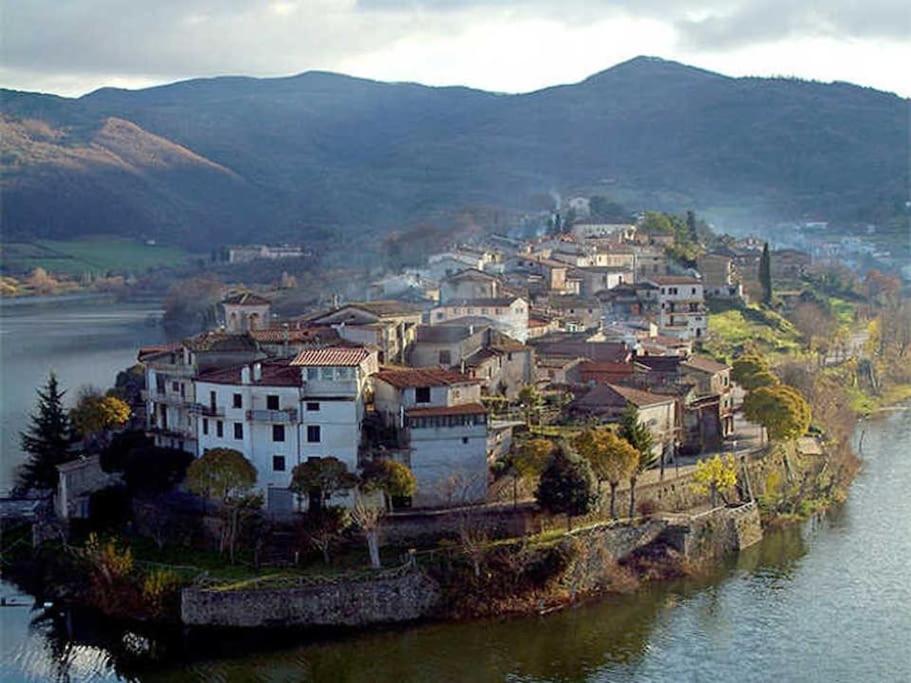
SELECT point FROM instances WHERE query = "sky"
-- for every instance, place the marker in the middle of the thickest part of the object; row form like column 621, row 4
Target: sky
column 70, row 47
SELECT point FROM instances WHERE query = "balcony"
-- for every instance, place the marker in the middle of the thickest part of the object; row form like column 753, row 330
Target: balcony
column 206, row 410
column 285, row 416
column 174, row 432
column 167, row 398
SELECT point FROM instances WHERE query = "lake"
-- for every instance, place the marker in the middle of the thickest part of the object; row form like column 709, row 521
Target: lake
column 829, row 600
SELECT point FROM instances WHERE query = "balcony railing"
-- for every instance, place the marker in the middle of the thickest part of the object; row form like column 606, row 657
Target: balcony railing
column 206, row 410
column 167, row 398
column 281, row 416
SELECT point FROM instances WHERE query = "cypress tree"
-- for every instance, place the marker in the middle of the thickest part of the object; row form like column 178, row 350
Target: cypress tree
column 692, row 232
column 47, row 440
column 765, row 274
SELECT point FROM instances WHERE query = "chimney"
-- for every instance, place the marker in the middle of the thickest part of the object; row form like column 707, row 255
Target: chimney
column 257, row 371
column 245, row 374
column 286, row 337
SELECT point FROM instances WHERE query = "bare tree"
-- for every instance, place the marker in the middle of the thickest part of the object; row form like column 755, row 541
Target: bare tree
column 367, row 519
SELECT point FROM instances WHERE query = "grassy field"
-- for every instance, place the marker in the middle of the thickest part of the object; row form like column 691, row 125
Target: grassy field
column 97, row 255
column 730, row 328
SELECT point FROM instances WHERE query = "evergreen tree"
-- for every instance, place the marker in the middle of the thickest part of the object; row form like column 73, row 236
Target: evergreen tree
column 567, row 486
column 765, row 275
column 47, row 440
column 692, row 233
column 639, row 437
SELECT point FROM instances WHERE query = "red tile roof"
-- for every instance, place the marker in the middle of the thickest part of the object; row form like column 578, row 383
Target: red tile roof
column 332, row 356
column 461, row 409
column 246, row 299
column 705, row 364
column 275, row 335
column 274, row 374
column 402, row 378
column 675, row 280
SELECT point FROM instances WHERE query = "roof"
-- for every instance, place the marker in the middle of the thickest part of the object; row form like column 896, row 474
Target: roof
column 246, row 299
column 705, row 364
column 675, row 280
column 219, row 340
column 619, row 396
column 660, row 363
column 277, row 335
column 461, row 409
column 403, row 378
column 447, row 333
column 495, row 302
column 332, row 356
column 599, row 351
column 379, row 308
column 146, row 352
column 471, row 274
column 274, row 374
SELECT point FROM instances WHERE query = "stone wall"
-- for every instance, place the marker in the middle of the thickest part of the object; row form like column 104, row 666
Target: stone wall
column 703, row 537
column 341, row 603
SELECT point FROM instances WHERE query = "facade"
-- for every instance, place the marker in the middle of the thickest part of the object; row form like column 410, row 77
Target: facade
column 280, row 413
column 387, row 325
column 252, row 252
column 443, row 431
column 599, row 278
column 719, row 276
column 245, row 312
column 469, row 284
column 507, row 314
column 682, row 311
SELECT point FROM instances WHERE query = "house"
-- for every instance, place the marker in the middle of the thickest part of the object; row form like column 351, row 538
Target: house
column 252, row 252
column 604, row 372
column 469, row 284
column 550, row 274
column 681, row 306
column 504, row 367
column 280, row 413
column 719, row 276
column 246, row 311
column 389, row 326
column 788, row 264
column 285, row 341
column 575, row 314
column 443, row 430
column 650, row 262
column 76, row 482
column 170, row 393
column 620, row 232
column 598, row 278
column 607, row 402
column 508, row 314
column 712, row 379
column 446, row 345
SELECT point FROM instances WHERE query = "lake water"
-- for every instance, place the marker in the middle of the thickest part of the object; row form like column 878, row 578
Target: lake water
column 84, row 339
column 829, row 601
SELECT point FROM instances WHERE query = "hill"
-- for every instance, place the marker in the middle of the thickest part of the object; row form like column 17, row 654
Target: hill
column 206, row 161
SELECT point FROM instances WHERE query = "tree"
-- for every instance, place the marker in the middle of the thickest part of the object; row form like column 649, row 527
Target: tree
column 321, row 528
column 225, row 475
column 367, row 519
column 714, row 476
column 781, row 409
column 94, row 413
column 527, row 460
column 816, row 326
column 392, row 478
column 530, row 400
column 765, row 274
column 46, row 441
column 567, row 486
column 752, row 371
column 691, row 230
column 320, row 479
column 656, row 223
column 612, row 459
column 152, row 469
column 639, row 437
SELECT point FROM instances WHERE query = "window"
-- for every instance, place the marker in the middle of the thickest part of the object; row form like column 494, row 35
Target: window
column 238, row 430
column 326, row 374
column 422, row 395
column 175, row 386
column 183, row 392
column 313, row 434
column 219, row 429
column 212, row 400
column 205, row 425
column 272, row 402
column 238, row 401
column 312, row 407
column 445, row 358
column 465, row 440
column 694, row 290
column 278, row 463
column 278, row 432
column 312, row 374
column 440, row 316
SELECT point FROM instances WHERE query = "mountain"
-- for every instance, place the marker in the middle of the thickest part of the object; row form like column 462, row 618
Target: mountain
column 207, row 161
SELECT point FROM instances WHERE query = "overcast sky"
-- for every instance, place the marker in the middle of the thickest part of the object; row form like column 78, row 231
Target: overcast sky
column 71, row 47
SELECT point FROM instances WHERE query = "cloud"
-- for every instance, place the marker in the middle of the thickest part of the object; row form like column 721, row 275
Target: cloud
column 511, row 45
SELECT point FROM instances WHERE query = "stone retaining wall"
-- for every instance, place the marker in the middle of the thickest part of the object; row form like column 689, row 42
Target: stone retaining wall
column 342, row 603
column 709, row 535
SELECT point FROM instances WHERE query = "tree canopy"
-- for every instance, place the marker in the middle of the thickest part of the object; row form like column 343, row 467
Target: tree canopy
column 95, row 412
column 321, row 478
column 222, row 474
column 394, row 479
column 637, row 434
column 752, row 371
column 714, row 476
column 781, row 409
column 567, row 485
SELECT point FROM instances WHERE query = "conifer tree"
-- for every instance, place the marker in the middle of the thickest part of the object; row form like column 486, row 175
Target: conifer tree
column 46, row 441
column 765, row 275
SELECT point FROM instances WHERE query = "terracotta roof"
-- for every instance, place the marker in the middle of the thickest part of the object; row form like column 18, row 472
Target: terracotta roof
column 618, row 396
column 461, row 409
column 148, row 351
column 274, row 374
column 332, row 356
column 246, row 299
column 705, row 364
column 471, row 274
column 220, row 340
column 402, row 378
column 494, row 302
column 639, row 397
column 384, row 308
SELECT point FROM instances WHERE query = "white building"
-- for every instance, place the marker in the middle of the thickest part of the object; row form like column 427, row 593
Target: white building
column 280, row 413
column 507, row 314
column 682, row 311
column 444, row 429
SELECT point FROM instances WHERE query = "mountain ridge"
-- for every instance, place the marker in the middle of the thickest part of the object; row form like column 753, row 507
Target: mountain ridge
column 319, row 150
